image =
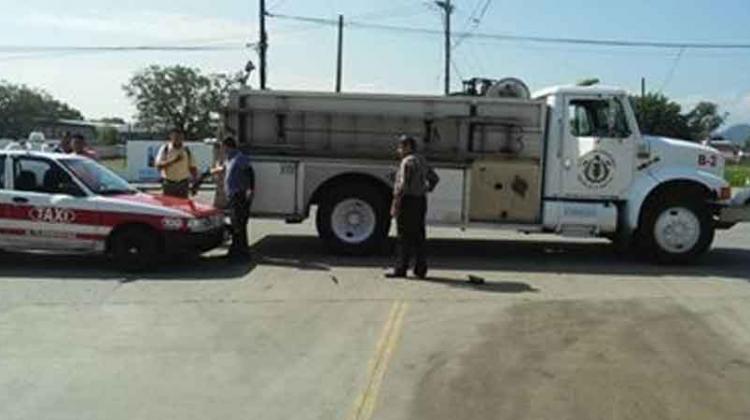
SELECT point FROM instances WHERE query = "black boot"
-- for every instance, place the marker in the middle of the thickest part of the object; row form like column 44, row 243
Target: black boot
column 396, row 274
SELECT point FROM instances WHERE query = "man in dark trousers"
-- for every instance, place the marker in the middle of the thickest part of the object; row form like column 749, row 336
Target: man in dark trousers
column 414, row 179
column 239, row 186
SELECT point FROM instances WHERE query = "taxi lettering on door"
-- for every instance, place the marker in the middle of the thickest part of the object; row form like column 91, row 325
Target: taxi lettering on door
column 52, row 215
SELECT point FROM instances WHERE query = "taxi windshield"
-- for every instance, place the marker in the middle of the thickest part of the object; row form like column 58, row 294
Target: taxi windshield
column 97, row 178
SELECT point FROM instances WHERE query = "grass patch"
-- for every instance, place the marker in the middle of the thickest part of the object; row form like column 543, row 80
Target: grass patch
column 738, row 175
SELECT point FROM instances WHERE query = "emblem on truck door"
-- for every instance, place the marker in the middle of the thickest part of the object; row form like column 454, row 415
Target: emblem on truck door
column 596, row 170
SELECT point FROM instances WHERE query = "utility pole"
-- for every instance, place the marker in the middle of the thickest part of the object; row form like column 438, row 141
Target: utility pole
column 643, row 87
column 448, row 9
column 263, row 45
column 340, row 54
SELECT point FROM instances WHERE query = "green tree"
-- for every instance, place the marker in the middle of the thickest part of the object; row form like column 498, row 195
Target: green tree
column 180, row 97
column 22, row 108
column 659, row 116
column 107, row 136
column 704, row 119
column 113, row 120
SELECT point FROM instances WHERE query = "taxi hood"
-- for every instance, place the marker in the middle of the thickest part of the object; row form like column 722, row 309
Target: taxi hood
column 185, row 206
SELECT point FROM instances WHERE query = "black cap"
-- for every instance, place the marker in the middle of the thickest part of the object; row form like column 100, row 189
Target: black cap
column 229, row 142
column 407, row 140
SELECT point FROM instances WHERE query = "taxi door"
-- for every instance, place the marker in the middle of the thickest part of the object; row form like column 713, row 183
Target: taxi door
column 9, row 235
column 48, row 207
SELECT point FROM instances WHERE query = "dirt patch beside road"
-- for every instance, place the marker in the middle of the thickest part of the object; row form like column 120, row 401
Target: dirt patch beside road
column 573, row 360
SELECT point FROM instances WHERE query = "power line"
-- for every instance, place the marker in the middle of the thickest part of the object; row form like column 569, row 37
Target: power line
column 457, row 70
column 474, row 22
column 672, row 70
column 474, row 11
column 526, row 38
column 476, row 58
column 115, row 48
column 277, row 4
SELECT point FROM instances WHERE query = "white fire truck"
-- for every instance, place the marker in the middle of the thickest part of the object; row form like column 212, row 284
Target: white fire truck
column 570, row 161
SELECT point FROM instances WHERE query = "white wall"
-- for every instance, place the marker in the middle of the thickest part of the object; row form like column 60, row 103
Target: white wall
column 141, row 155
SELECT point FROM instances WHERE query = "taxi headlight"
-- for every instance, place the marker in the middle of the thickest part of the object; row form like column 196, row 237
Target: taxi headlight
column 171, row 223
column 199, row 225
column 205, row 223
column 218, row 220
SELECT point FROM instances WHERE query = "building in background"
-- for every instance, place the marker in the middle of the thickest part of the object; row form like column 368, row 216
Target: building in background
column 54, row 130
column 731, row 151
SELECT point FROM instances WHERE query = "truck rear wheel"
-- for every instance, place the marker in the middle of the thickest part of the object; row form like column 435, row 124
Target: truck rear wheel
column 354, row 219
column 677, row 229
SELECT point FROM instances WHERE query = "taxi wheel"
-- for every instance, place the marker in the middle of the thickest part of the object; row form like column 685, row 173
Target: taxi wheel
column 134, row 249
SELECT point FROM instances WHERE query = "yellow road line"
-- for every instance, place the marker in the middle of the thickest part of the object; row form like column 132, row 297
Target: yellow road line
column 364, row 406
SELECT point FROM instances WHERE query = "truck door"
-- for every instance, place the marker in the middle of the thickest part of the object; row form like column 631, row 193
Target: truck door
column 599, row 148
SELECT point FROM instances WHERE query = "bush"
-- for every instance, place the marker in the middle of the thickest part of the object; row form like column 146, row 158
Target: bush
column 738, row 175
column 107, row 136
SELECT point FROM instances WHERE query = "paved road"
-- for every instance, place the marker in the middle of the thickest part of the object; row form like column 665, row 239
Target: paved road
column 560, row 330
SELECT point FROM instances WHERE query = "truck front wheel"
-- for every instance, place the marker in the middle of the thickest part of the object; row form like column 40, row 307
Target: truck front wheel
column 677, row 230
column 353, row 219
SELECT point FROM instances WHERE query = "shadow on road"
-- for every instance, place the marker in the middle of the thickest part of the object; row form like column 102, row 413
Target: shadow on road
column 307, row 252
column 507, row 287
column 45, row 266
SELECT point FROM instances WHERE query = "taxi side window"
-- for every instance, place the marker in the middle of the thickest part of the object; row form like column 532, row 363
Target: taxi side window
column 41, row 176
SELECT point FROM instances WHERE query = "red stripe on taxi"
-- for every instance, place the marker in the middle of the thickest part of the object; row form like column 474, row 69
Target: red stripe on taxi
column 76, row 216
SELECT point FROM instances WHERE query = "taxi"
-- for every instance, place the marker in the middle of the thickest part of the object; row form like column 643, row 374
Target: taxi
column 72, row 204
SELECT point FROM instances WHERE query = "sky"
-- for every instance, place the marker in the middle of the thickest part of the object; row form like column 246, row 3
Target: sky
column 302, row 55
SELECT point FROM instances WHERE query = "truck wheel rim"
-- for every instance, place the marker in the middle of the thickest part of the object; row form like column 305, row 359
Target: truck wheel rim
column 677, row 230
column 353, row 221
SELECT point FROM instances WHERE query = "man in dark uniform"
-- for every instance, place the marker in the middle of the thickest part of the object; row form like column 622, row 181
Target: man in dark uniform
column 414, row 179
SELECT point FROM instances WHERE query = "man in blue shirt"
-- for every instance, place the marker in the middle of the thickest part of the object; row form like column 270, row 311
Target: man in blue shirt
column 239, row 184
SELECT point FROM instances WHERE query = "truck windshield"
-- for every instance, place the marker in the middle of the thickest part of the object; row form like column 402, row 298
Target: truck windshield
column 97, row 178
